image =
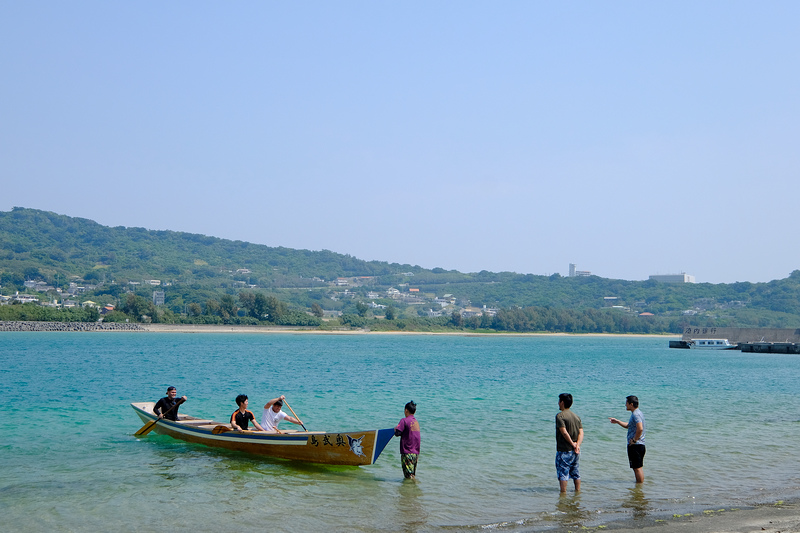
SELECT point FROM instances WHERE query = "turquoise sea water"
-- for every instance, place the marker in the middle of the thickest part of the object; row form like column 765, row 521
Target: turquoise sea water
column 723, row 431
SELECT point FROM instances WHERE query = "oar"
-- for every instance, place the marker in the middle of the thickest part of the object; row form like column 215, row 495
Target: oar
column 295, row 414
column 147, row 428
column 220, row 429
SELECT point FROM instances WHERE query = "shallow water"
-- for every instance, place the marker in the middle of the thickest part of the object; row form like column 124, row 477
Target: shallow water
column 722, row 431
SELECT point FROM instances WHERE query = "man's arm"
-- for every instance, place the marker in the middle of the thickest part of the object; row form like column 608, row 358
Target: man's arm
column 272, row 401
column 638, row 434
column 580, row 440
column 293, row 420
column 565, row 433
column 233, row 421
column 620, row 422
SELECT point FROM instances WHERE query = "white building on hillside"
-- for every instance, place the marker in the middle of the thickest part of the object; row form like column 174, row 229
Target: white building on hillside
column 673, row 278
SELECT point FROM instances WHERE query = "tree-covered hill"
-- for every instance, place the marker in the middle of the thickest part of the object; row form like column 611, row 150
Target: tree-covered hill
column 33, row 240
column 199, row 270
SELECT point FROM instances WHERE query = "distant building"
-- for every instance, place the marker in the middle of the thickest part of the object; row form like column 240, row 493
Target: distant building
column 158, row 297
column 673, row 278
column 574, row 273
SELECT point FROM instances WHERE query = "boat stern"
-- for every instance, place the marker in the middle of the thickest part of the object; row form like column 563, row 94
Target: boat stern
column 382, row 438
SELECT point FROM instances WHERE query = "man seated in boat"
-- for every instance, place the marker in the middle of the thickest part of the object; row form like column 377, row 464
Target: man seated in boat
column 273, row 415
column 242, row 416
column 167, row 407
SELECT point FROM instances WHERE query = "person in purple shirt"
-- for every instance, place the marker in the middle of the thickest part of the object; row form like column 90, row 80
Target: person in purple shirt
column 408, row 431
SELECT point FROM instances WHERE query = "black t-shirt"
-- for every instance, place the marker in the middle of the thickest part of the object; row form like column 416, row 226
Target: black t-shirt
column 164, row 405
column 241, row 418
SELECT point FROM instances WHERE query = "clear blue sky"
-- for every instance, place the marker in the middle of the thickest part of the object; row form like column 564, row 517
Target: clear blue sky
column 630, row 138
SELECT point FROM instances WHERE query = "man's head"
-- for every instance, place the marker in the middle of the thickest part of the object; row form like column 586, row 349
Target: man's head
column 241, row 399
column 172, row 392
column 276, row 407
column 632, row 401
column 565, row 398
column 411, row 407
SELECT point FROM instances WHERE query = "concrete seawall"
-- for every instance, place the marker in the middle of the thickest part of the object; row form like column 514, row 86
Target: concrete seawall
column 742, row 335
column 67, row 326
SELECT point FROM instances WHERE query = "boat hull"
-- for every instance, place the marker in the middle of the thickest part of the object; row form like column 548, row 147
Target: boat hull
column 711, row 344
column 341, row 448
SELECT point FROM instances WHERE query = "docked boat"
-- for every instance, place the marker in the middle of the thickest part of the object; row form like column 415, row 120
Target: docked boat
column 339, row 448
column 711, row 344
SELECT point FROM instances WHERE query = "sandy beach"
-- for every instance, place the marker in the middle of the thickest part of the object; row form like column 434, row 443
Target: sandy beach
column 215, row 328
column 781, row 517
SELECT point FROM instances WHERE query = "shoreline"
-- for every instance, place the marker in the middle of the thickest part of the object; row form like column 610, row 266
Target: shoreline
column 31, row 326
column 779, row 517
column 213, row 328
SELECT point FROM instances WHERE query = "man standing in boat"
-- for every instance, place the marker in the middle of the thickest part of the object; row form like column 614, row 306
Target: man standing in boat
column 273, row 415
column 569, row 436
column 167, row 407
column 635, row 426
column 242, row 416
column 410, row 439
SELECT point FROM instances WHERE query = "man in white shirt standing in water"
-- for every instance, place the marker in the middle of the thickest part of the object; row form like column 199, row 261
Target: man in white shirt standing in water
column 635, row 426
column 273, row 415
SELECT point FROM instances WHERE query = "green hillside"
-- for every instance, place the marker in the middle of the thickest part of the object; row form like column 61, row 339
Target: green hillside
column 198, row 273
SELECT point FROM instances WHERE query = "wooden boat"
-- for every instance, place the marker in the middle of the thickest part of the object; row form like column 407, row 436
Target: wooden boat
column 340, row 448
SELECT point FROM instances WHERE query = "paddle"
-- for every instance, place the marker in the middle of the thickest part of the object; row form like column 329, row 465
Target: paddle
column 147, row 428
column 295, row 415
column 220, row 429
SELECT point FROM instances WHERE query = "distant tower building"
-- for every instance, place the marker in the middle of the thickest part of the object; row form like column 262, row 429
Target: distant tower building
column 673, row 278
column 573, row 273
column 158, row 297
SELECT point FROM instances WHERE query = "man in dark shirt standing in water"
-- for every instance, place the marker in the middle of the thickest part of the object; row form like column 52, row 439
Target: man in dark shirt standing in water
column 569, row 436
column 164, row 407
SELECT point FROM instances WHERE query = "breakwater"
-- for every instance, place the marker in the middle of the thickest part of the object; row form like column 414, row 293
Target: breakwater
column 67, row 326
column 742, row 335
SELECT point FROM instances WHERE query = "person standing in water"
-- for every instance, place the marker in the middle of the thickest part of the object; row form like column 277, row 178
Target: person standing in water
column 569, row 436
column 635, row 426
column 410, row 439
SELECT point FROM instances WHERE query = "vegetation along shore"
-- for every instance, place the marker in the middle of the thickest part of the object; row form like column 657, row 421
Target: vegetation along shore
column 54, row 268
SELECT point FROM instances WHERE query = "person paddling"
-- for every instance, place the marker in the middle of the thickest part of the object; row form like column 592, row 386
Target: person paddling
column 273, row 415
column 242, row 416
column 167, row 407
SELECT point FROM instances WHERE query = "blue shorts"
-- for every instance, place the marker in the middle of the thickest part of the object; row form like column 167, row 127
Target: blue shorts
column 567, row 465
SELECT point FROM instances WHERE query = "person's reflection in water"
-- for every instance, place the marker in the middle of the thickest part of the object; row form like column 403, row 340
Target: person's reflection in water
column 412, row 514
column 569, row 512
column 637, row 503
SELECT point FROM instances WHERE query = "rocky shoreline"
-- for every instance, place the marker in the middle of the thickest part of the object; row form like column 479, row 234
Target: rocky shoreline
column 67, row 326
